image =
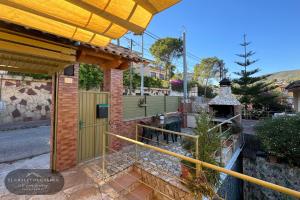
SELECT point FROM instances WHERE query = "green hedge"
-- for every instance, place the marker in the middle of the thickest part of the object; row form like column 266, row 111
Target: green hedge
column 281, row 137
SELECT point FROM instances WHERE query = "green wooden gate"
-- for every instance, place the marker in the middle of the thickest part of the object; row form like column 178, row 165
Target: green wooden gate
column 91, row 129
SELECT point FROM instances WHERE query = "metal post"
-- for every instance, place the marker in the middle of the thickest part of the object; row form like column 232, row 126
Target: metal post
column 198, row 166
column 184, row 69
column 103, row 153
column 136, row 138
column 55, row 80
column 142, row 68
column 131, row 71
column 221, row 148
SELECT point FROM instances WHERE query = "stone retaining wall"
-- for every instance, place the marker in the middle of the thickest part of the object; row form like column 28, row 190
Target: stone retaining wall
column 25, row 99
column 281, row 174
column 162, row 186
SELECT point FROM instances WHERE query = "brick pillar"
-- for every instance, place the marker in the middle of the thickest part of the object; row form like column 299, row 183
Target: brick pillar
column 113, row 83
column 67, row 121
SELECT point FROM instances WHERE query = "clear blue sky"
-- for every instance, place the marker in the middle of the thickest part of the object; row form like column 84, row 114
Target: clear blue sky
column 216, row 27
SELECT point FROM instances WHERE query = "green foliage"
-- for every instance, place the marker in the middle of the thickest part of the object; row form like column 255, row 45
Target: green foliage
column 209, row 91
column 207, row 69
column 136, row 80
column 281, row 137
column 209, row 143
column 34, row 76
column 90, row 76
column 165, row 50
column 251, row 89
column 177, row 85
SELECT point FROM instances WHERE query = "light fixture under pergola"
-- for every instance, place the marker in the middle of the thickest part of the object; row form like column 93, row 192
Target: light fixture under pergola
column 95, row 22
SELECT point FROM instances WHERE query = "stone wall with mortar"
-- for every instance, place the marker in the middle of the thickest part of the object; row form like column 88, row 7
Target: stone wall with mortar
column 26, row 99
column 281, row 174
column 177, row 192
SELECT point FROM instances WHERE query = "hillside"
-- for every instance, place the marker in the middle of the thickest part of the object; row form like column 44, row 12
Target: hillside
column 286, row 76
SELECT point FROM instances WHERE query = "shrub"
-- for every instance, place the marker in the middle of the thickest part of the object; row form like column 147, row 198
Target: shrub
column 280, row 137
column 177, row 85
column 209, row 143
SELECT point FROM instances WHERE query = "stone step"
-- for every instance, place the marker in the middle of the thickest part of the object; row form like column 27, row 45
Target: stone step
column 142, row 192
column 123, row 185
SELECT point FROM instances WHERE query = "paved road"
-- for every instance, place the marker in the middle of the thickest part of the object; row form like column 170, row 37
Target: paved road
column 248, row 126
column 24, row 143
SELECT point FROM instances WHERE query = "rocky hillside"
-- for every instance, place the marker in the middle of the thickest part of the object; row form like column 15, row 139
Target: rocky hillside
column 285, row 76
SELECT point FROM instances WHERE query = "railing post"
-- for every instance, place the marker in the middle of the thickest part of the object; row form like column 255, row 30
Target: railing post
column 103, row 152
column 136, row 138
column 198, row 166
column 221, row 147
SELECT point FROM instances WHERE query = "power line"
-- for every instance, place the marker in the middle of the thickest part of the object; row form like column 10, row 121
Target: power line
column 191, row 57
column 156, row 37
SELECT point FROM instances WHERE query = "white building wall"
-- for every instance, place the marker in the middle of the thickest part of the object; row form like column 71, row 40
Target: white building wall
column 297, row 100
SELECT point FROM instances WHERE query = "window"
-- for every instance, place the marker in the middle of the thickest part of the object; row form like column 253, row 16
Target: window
column 153, row 74
column 161, row 76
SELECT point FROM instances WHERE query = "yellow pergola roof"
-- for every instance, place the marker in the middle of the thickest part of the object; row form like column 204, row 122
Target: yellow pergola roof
column 90, row 21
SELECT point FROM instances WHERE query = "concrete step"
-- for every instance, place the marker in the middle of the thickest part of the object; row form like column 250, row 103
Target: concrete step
column 142, row 192
column 123, row 184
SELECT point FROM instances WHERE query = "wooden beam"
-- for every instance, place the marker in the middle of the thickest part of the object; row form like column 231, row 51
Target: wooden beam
column 124, row 65
column 13, row 69
column 28, row 50
column 115, row 19
column 114, row 64
column 36, row 43
column 90, row 60
column 147, row 5
column 96, row 53
column 30, row 59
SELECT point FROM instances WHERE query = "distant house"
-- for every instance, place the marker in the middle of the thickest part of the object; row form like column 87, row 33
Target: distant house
column 151, row 70
column 295, row 88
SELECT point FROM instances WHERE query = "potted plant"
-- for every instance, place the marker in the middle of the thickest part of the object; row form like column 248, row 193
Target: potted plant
column 209, row 143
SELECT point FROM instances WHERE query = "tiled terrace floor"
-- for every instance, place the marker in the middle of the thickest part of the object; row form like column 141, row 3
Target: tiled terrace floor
column 85, row 180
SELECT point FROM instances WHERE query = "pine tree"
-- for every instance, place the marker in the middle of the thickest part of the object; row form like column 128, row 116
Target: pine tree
column 251, row 89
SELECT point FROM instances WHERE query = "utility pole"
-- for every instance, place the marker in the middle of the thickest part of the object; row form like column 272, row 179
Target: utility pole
column 131, row 70
column 142, row 67
column 185, row 95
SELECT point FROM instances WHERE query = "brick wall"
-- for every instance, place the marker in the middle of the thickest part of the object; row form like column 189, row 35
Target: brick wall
column 67, row 121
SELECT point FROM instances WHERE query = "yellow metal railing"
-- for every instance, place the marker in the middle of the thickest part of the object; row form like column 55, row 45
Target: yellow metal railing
column 222, row 133
column 244, row 177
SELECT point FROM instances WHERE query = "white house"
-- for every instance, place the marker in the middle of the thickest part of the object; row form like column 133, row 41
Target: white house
column 295, row 88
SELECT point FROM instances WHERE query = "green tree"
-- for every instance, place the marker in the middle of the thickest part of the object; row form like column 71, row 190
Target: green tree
column 90, row 76
column 209, row 143
column 165, row 50
column 136, row 80
column 207, row 69
column 251, row 88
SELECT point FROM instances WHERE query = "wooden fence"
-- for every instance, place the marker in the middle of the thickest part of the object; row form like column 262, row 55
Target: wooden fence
column 138, row 106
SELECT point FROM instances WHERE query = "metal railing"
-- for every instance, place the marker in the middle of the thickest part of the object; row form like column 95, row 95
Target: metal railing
column 235, row 140
column 202, row 164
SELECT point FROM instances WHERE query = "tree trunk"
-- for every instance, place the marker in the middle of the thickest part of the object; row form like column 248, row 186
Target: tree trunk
column 205, row 88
